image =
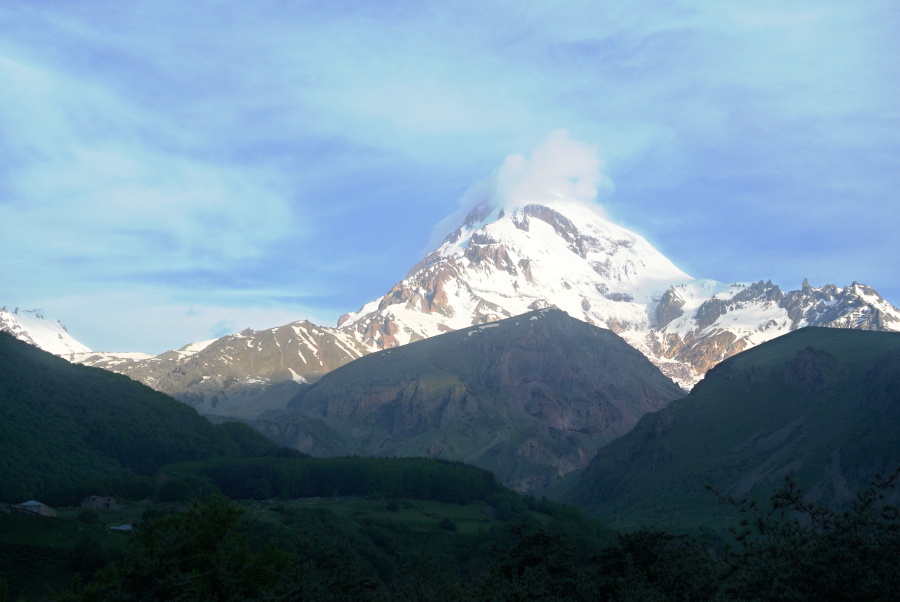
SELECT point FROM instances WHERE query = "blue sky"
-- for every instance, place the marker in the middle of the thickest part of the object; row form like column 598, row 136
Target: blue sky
column 171, row 171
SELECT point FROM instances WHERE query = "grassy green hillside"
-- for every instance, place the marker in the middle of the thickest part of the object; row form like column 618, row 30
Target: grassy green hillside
column 63, row 424
column 67, row 431
column 820, row 404
column 381, row 513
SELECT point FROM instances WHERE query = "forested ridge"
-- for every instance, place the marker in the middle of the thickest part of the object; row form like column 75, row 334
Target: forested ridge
column 62, row 424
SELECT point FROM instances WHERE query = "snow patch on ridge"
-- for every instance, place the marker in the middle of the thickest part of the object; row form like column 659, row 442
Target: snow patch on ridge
column 192, row 348
column 31, row 326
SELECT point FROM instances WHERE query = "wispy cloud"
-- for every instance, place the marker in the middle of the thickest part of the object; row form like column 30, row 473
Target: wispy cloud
column 94, row 170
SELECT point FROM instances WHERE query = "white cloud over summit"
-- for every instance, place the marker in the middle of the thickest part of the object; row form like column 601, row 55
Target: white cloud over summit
column 559, row 166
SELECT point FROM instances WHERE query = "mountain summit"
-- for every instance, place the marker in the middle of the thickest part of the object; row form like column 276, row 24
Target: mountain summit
column 528, row 237
column 560, row 252
column 505, row 261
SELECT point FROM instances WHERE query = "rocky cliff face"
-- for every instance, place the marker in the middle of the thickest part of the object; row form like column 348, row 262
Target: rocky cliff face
column 530, row 398
column 243, row 374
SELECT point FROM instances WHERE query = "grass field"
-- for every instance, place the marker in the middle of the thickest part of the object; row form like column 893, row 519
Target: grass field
column 419, row 515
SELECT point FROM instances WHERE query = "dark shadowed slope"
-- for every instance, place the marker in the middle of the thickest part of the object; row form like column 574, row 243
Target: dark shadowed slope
column 530, row 398
column 62, row 424
column 820, row 403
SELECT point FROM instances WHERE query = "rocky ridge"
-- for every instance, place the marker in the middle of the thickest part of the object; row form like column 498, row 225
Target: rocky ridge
column 239, row 375
column 701, row 323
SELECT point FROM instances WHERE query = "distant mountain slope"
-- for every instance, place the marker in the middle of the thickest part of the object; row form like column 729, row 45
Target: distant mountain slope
column 820, row 403
column 530, row 398
column 239, row 375
column 62, row 424
column 31, row 326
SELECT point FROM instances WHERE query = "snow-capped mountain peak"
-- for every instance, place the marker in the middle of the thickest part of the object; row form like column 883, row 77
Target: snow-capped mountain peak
column 505, row 261
column 550, row 250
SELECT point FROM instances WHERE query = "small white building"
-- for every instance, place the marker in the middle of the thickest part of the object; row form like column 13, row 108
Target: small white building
column 34, row 507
